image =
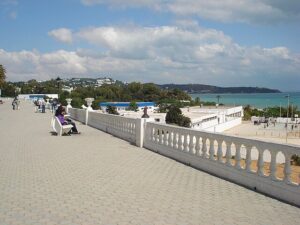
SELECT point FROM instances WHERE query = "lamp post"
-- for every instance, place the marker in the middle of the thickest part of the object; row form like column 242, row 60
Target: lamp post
column 218, row 99
column 292, row 111
column 288, row 105
column 287, row 116
column 280, row 110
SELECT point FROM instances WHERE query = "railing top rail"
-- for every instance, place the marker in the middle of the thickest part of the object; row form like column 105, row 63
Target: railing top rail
column 77, row 109
column 294, row 149
column 116, row 116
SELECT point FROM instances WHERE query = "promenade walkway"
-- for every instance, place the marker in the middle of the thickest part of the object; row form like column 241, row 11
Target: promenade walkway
column 95, row 178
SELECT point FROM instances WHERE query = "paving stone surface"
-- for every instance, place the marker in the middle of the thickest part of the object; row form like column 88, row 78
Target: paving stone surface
column 95, row 178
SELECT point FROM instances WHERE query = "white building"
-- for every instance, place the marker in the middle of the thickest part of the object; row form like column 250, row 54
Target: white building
column 101, row 81
column 68, row 89
column 214, row 119
column 123, row 106
column 155, row 117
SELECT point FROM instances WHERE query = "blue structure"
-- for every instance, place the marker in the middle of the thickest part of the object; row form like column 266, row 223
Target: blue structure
column 125, row 105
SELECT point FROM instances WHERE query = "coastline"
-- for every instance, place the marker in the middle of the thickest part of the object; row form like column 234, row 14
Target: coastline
column 257, row 100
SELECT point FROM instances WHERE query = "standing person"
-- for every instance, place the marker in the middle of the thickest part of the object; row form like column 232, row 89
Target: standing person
column 54, row 104
column 43, row 106
column 14, row 103
column 60, row 114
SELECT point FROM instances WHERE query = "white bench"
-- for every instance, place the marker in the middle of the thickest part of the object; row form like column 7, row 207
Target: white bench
column 58, row 128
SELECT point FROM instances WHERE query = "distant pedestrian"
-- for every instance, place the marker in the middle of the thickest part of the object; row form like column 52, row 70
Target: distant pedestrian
column 54, row 104
column 43, row 106
column 13, row 104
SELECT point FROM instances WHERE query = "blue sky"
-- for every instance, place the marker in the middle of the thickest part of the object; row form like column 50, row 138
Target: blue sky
column 226, row 43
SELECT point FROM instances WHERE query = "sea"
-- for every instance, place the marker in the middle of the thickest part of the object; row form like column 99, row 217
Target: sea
column 257, row 100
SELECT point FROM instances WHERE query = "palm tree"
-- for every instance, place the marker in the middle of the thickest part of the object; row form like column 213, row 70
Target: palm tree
column 2, row 75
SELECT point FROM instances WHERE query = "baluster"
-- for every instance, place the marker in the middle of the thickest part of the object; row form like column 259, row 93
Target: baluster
column 287, row 169
column 153, row 134
column 175, row 140
column 220, row 153
column 204, row 147
column 197, row 147
column 248, row 158
column 156, row 134
column 273, row 166
column 150, row 129
column 160, row 136
column 238, row 156
column 185, row 143
column 191, row 145
column 260, row 162
column 170, row 139
column 166, row 137
column 179, row 141
column 228, row 153
column 211, row 149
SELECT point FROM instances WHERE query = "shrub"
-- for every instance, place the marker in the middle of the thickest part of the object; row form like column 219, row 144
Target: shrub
column 174, row 116
column 112, row 110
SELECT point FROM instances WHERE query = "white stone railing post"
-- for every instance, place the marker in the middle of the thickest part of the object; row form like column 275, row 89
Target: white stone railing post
column 69, row 100
column 139, row 132
column 89, row 102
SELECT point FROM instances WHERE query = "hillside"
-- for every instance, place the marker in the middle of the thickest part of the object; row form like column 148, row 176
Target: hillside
column 201, row 88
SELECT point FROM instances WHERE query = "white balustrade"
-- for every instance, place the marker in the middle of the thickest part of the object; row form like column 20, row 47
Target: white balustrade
column 190, row 147
column 125, row 128
column 77, row 114
column 226, row 156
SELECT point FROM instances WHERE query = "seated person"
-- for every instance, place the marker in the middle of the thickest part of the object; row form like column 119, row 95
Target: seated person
column 60, row 114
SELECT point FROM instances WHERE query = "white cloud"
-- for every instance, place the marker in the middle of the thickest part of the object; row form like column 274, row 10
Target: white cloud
column 62, row 35
column 247, row 11
column 179, row 54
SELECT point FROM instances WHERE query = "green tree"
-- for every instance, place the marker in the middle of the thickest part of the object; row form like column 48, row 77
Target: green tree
column 175, row 116
column 133, row 106
column 2, row 75
column 8, row 90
